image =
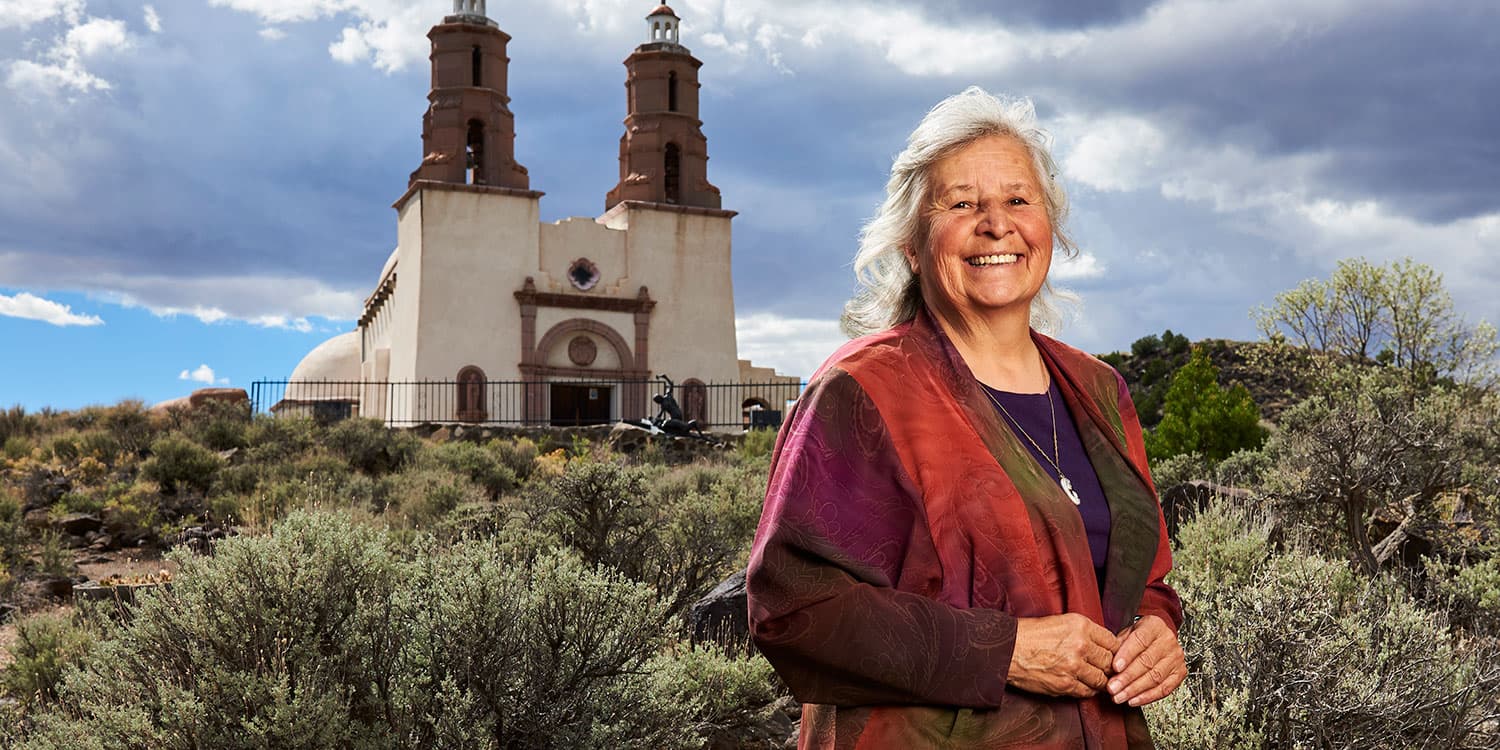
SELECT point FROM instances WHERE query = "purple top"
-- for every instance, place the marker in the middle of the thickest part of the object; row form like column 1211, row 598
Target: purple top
column 1031, row 410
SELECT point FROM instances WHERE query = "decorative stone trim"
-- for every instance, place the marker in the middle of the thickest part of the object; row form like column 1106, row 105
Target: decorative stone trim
column 623, row 206
column 459, row 187
column 377, row 299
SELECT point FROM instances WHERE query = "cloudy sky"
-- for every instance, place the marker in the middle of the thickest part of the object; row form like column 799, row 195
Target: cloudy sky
column 198, row 191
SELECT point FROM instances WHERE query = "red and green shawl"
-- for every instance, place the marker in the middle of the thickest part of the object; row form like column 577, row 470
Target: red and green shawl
column 906, row 527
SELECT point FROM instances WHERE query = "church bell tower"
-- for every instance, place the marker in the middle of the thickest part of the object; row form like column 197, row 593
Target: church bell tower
column 469, row 133
column 663, row 153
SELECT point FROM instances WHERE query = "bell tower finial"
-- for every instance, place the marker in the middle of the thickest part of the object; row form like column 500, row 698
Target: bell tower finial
column 662, row 26
column 468, row 132
column 663, row 153
column 469, row 11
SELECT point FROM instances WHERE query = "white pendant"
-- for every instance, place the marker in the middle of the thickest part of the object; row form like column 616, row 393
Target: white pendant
column 1068, row 488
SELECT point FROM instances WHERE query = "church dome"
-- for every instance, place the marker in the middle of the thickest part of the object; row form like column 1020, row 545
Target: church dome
column 663, row 9
column 336, row 359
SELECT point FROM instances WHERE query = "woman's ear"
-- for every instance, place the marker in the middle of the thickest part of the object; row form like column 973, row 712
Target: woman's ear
column 911, row 260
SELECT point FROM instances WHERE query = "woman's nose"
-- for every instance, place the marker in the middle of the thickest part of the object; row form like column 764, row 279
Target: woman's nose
column 994, row 221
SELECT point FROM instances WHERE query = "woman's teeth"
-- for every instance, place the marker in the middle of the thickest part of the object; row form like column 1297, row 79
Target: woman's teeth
column 991, row 260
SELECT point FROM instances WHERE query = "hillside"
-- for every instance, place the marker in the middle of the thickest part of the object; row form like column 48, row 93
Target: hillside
column 1275, row 375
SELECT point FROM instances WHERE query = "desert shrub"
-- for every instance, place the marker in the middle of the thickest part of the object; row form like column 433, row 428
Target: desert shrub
column 132, row 510
column 236, row 479
column 706, row 518
column 723, row 696
column 1243, row 468
column 79, row 502
column 369, row 446
column 1470, row 593
column 1171, row 471
column 324, row 635
column 279, row 641
column 178, row 462
column 757, row 444
column 44, row 645
column 482, row 466
column 680, row 530
column 15, row 422
column 314, row 481
column 518, row 455
column 88, row 470
column 129, row 423
column 99, row 445
column 63, row 448
column 54, row 558
column 219, row 425
column 11, row 532
column 599, row 508
column 17, row 447
column 420, row 497
column 273, row 439
column 545, row 653
column 1293, row 650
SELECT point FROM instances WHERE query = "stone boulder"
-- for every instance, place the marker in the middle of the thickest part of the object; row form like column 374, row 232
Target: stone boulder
column 1183, row 502
column 233, row 396
column 196, row 399
column 79, row 524
column 722, row 616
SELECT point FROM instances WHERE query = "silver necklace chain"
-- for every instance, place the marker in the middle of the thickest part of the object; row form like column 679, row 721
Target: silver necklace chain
column 1062, row 479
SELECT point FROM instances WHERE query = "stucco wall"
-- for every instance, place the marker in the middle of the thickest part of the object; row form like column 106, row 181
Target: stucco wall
column 568, row 240
column 684, row 259
column 477, row 249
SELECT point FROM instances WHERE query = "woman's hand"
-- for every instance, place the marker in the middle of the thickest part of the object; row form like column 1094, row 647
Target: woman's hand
column 1061, row 655
column 1149, row 664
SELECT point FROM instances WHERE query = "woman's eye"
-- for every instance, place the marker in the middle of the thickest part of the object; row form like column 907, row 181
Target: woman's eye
column 1017, row 201
column 963, row 204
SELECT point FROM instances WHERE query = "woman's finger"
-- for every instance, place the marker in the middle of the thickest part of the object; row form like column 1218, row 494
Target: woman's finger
column 1161, row 663
column 1162, row 690
column 1135, row 639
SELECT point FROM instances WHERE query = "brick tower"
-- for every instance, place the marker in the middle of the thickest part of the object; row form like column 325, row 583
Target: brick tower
column 469, row 133
column 663, row 154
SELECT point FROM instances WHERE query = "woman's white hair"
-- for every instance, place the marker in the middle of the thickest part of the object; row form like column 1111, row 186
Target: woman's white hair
column 888, row 292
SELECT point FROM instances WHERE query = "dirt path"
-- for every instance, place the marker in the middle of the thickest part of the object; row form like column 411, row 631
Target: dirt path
column 123, row 563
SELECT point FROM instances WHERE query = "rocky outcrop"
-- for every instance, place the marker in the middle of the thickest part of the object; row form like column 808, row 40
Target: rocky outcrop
column 722, row 616
column 196, row 399
column 1183, row 502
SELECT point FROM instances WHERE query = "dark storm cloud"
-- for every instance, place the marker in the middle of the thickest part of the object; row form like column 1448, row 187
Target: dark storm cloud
column 213, row 155
column 1040, row 13
column 1404, row 101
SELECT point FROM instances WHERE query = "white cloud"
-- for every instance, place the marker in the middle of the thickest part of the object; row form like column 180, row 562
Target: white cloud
column 793, row 346
column 203, row 374
column 268, row 301
column 389, row 34
column 30, row 307
column 153, row 21
column 25, row 13
column 1116, row 153
column 1082, row 266
column 272, row 34
column 62, row 66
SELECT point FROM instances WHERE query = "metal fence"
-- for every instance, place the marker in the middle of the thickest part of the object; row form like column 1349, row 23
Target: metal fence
column 560, row 403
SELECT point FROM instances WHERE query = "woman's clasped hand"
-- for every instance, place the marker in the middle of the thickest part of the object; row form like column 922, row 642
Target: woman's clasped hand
column 1071, row 655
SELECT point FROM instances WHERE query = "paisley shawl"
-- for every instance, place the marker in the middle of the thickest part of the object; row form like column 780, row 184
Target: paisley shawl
column 906, row 527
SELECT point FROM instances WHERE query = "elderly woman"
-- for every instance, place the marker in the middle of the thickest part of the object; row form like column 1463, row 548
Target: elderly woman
column 961, row 546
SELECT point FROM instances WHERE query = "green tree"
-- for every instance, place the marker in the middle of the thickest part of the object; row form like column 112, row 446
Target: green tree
column 1200, row 416
column 1369, row 449
column 1399, row 314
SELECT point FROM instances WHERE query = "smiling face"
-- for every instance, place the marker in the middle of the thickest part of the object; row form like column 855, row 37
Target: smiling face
column 989, row 239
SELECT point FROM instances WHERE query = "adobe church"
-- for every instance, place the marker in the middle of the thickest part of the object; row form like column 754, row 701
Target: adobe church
column 480, row 294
